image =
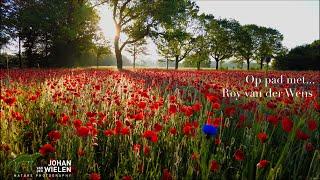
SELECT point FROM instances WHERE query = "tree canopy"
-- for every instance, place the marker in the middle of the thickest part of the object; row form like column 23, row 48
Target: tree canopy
column 53, row 33
column 62, row 32
column 306, row 57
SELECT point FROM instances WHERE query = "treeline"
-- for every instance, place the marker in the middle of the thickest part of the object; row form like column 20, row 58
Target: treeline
column 181, row 33
column 306, row 57
column 52, row 33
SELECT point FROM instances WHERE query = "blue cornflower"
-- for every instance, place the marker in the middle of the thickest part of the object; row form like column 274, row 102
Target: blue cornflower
column 210, row 130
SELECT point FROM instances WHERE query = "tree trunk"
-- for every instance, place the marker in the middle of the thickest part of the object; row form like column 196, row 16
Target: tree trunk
column 261, row 64
column 217, row 64
column 134, row 56
column 248, row 64
column 177, row 62
column 97, row 61
column 198, row 65
column 117, row 50
column 20, row 59
column 167, row 64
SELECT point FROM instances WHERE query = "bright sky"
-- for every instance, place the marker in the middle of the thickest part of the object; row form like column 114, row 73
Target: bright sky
column 297, row 20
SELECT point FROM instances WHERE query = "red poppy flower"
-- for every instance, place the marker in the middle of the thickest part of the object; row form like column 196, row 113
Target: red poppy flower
column 287, row 124
column 172, row 99
column 271, row 105
column 64, row 119
column 309, row 147
column 146, row 150
column 166, row 175
column 157, row 127
column 262, row 137
column 172, row 109
column 239, row 155
column 54, row 135
column 151, row 135
column 125, row 131
column 10, row 101
column 136, row 148
column 142, row 105
column 126, row 178
column 262, row 164
column 316, row 106
column 94, row 176
column 139, row 116
column 108, row 132
column 312, row 125
column 214, row 166
column 77, row 123
column 16, row 115
column 242, row 118
column 272, row 119
column 230, row 111
column 91, row 114
column 217, row 140
column 187, row 110
column 189, row 129
column 45, row 149
column 302, row 135
column 173, row 131
column 83, row 131
column 196, row 107
column 215, row 106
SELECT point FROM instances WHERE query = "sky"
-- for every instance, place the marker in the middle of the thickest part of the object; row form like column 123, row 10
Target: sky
column 297, row 20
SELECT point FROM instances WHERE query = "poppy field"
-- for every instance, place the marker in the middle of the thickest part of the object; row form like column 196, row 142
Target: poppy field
column 157, row 124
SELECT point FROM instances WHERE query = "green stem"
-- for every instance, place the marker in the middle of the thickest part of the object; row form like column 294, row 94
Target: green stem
column 314, row 156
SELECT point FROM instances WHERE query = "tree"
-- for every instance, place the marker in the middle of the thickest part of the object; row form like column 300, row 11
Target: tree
column 200, row 54
column 139, row 18
column 221, row 38
column 100, row 47
column 164, row 51
column 137, row 48
column 246, row 43
column 269, row 44
column 175, row 41
column 56, row 30
column 306, row 57
column 6, row 22
column 178, row 45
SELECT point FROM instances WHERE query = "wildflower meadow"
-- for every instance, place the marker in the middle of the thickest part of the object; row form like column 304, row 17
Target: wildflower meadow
column 157, row 124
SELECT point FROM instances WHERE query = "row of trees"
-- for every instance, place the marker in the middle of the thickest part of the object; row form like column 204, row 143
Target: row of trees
column 57, row 32
column 180, row 32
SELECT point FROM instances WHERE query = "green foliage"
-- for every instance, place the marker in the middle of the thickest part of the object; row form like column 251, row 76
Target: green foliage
column 141, row 18
column 305, row 57
column 221, row 34
column 176, row 38
column 22, row 159
column 6, row 21
column 269, row 44
column 246, row 43
column 195, row 59
column 56, row 32
column 200, row 56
